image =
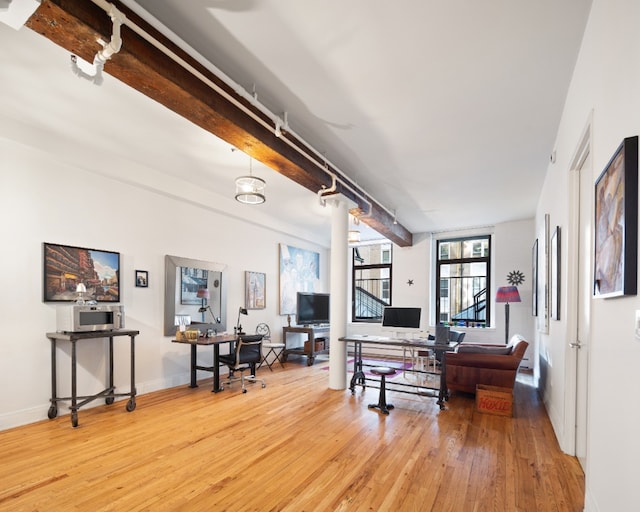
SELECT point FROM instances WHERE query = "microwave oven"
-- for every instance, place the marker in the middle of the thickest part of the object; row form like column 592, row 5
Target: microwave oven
column 87, row 318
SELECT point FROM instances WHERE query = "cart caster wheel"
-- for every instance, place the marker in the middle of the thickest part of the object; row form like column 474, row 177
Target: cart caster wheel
column 53, row 412
column 264, row 385
column 244, row 390
column 131, row 405
column 109, row 400
column 74, row 419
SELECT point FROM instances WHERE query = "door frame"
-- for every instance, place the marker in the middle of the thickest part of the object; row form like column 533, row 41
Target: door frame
column 584, row 148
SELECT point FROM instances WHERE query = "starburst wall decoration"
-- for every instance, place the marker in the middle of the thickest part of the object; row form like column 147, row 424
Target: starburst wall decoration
column 515, row 278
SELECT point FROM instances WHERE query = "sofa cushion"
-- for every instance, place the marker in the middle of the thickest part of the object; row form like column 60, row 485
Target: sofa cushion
column 498, row 350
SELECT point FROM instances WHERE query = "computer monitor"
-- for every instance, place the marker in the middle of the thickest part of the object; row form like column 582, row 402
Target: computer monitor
column 401, row 320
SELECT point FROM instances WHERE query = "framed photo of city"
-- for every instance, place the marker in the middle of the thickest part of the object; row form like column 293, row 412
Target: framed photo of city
column 616, row 224
column 66, row 267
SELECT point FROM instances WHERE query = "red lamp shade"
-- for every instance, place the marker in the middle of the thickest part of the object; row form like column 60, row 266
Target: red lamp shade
column 508, row 294
column 203, row 293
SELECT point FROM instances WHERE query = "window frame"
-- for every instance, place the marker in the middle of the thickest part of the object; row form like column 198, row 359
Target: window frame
column 459, row 261
column 356, row 266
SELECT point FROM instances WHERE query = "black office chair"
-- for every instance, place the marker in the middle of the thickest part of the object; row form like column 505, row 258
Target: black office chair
column 247, row 354
column 277, row 349
column 446, row 335
column 456, row 336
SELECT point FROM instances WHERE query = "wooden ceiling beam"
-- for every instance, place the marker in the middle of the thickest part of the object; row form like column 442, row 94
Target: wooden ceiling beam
column 77, row 25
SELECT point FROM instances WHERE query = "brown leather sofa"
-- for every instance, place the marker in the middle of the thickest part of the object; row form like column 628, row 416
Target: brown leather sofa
column 494, row 365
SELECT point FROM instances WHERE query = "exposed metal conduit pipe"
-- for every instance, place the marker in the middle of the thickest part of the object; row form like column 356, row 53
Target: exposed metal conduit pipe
column 108, row 49
column 280, row 126
column 325, row 191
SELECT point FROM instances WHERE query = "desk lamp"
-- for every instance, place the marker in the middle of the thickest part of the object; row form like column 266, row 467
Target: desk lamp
column 238, row 327
column 507, row 294
column 203, row 310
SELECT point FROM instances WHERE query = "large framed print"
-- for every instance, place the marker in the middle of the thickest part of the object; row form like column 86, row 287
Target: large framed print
column 616, row 224
column 299, row 272
column 66, row 266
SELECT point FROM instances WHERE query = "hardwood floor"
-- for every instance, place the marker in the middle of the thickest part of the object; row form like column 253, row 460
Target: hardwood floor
column 296, row 446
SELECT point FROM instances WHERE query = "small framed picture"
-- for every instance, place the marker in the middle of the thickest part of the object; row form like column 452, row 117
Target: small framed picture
column 255, row 288
column 142, row 278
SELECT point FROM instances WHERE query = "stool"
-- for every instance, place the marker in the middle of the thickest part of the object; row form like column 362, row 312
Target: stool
column 277, row 350
column 382, row 404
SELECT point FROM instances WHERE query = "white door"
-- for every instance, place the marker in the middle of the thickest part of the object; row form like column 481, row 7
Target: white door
column 584, row 282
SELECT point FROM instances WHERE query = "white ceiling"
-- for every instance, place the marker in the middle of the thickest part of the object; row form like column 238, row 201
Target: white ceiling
column 444, row 111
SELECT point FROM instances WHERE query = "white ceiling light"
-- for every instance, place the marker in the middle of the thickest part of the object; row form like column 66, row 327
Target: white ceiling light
column 353, row 236
column 250, row 189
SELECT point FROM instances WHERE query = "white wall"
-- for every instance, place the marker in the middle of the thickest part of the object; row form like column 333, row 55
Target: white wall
column 606, row 81
column 45, row 200
column 511, row 250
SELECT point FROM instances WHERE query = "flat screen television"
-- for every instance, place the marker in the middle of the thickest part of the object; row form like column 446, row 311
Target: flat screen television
column 401, row 319
column 312, row 308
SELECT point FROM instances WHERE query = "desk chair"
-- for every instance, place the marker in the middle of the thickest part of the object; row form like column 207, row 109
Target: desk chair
column 247, row 353
column 443, row 335
column 277, row 349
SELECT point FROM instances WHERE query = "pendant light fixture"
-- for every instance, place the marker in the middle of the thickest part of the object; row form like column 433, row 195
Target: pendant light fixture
column 353, row 236
column 250, row 189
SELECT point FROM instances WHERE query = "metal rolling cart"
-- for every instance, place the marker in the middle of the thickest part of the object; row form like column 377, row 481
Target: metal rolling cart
column 109, row 393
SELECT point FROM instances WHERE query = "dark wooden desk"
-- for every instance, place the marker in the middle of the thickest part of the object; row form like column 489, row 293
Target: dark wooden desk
column 312, row 333
column 415, row 344
column 109, row 393
column 214, row 341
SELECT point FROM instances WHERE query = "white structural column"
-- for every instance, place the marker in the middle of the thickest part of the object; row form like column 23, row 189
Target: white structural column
column 339, row 284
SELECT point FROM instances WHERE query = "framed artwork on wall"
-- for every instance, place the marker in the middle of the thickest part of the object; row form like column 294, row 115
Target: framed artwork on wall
column 543, row 278
column 555, row 274
column 68, row 269
column 299, row 272
column 534, row 278
column 616, row 224
column 255, row 290
column 142, row 279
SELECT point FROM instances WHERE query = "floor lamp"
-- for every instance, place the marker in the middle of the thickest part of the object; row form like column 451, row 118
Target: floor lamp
column 507, row 294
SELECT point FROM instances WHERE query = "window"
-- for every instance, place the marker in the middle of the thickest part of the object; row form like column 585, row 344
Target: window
column 462, row 274
column 371, row 281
